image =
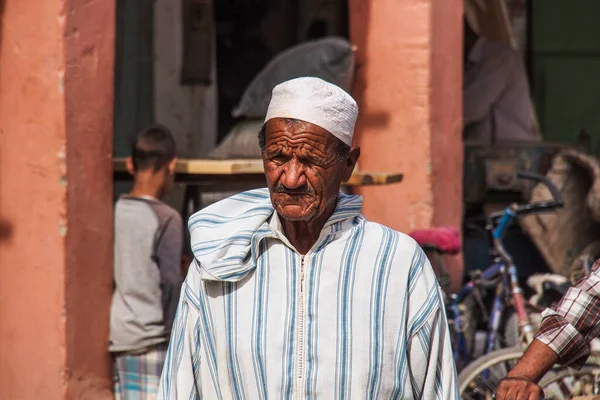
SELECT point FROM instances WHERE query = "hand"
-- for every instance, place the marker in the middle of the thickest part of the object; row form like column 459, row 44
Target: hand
column 518, row 389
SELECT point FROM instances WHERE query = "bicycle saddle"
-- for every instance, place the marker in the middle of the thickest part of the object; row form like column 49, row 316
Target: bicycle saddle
column 445, row 239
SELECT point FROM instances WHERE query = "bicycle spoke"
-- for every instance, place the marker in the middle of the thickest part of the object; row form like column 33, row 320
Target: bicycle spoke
column 564, row 390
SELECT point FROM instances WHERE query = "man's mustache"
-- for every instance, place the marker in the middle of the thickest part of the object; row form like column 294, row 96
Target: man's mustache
column 280, row 188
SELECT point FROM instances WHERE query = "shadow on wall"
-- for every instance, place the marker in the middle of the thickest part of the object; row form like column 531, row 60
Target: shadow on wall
column 5, row 229
column 5, row 225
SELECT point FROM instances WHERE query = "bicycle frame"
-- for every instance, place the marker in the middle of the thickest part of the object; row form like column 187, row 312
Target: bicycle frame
column 509, row 284
column 461, row 352
column 508, row 291
column 513, row 280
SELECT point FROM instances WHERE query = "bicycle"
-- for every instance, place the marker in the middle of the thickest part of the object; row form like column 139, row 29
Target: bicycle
column 508, row 322
column 480, row 378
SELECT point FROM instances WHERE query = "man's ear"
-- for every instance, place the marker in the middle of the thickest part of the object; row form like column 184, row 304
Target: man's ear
column 350, row 163
column 171, row 168
column 129, row 165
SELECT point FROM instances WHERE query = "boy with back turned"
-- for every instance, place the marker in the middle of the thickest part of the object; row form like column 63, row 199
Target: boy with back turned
column 147, row 259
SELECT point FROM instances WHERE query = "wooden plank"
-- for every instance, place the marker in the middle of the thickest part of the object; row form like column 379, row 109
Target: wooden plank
column 244, row 169
column 207, row 167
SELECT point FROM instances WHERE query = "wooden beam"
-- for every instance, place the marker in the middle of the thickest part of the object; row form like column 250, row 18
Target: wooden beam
column 196, row 169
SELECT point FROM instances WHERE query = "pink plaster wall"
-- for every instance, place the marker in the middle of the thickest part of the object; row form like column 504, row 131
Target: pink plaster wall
column 89, row 53
column 446, row 122
column 55, row 197
column 446, row 111
column 393, row 90
column 32, row 200
column 409, row 88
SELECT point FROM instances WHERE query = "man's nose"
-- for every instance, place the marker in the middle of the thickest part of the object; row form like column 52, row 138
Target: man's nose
column 293, row 175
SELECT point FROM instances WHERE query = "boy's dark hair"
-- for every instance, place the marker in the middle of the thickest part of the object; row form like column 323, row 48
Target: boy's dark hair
column 153, row 148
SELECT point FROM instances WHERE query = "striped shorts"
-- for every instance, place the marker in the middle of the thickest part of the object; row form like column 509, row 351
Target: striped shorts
column 136, row 376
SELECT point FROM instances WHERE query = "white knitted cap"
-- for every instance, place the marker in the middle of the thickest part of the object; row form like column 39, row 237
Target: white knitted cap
column 318, row 102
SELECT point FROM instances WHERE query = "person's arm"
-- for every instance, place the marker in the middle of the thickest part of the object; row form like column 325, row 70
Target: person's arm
column 537, row 360
column 564, row 338
column 431, row 362
column 521, row 381
column 169, row 264
column 178, row 380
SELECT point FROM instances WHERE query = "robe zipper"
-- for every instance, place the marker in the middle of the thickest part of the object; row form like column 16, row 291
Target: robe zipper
column 300, row 336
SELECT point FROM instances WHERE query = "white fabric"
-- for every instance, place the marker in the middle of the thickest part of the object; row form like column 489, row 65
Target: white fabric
column 360, row 316
column 318, row 102
column 496, row 101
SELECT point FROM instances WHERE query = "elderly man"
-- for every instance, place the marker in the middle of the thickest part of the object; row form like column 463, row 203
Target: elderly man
column 293, row 293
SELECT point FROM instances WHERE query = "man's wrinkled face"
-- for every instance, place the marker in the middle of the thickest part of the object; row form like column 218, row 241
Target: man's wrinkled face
column 303, row 170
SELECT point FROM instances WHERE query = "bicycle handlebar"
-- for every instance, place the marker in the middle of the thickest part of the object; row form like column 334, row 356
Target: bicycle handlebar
column 531, row 176
column 517, row 210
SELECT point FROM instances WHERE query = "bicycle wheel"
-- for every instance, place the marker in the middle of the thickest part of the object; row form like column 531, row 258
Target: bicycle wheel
column 510, row 333
column 564, row 383
column 480, row 379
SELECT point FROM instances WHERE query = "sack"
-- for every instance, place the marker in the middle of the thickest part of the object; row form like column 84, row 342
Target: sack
column 240, row 142
column 565, row 235
column 331, row 59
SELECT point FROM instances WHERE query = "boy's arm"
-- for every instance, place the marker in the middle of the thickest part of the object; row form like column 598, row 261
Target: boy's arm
column 169, row 264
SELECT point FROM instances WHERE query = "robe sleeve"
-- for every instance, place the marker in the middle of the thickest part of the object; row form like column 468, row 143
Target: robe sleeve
column 431, row 361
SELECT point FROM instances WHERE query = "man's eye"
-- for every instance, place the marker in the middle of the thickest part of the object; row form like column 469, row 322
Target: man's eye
column 278, row 158
column 312, row 162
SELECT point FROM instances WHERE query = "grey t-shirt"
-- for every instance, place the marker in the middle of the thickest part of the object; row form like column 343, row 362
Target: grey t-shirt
column 146, row 287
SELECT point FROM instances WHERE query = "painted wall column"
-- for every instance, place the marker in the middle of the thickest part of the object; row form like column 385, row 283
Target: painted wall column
column 409, row 88
column 56, row 106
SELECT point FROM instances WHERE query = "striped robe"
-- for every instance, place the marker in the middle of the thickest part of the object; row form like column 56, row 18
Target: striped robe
column 360, row 316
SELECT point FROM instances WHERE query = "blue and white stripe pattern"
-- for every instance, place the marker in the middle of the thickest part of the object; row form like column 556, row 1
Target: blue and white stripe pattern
column 360, row 316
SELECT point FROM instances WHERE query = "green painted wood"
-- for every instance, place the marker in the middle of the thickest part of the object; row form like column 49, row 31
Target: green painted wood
column 134, row 89
column 567, row 97
column 134, row 76
column 565, row 26
column 565, row 45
